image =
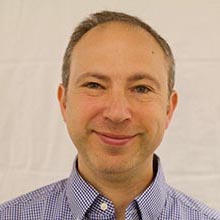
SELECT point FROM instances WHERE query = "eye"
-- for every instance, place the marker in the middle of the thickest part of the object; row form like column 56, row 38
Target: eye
column 93, row 85
column 142, row 89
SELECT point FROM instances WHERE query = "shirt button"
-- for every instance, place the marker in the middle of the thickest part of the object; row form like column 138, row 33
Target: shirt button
column 103, row 206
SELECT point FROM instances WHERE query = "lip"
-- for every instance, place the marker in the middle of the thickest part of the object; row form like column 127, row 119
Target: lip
column 115, row 139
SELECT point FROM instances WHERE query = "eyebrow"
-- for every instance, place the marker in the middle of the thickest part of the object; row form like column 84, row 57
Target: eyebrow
column 147, row 76
column 93, row 74
column 133, row 78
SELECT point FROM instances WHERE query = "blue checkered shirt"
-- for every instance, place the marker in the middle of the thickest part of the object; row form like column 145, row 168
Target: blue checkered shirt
column 76, row 199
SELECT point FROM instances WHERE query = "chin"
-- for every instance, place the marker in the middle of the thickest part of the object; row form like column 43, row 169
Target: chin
column 115, row 165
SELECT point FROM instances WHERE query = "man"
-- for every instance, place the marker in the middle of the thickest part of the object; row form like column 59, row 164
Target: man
column 117, row 99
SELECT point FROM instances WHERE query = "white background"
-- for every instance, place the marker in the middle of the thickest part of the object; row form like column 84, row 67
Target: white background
column 34, row 146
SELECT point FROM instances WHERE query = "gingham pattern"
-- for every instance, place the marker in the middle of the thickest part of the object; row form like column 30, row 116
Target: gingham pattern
column 75, row 199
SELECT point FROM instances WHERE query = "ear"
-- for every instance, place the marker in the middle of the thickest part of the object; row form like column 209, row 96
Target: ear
column 171, row 107
column 61, row 95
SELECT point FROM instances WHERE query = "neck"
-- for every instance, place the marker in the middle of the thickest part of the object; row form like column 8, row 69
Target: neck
column 115, row 187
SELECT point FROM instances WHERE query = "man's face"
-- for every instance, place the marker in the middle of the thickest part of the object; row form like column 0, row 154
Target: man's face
column 116, row 107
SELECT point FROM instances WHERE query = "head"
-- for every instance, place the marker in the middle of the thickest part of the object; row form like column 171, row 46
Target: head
column 109, row 16
column 117, row 94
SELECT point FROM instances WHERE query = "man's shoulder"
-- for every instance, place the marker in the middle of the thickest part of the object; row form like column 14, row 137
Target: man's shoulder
column 35, row 198
column 180, row 203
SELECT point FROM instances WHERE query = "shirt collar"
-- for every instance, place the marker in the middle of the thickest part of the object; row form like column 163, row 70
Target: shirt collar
column 81, row 195
column 152, row 201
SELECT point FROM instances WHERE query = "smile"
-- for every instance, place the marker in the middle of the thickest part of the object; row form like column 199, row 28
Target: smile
column 113, row 139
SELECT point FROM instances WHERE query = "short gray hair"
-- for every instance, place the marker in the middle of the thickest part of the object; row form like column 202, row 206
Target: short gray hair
column 109, row 16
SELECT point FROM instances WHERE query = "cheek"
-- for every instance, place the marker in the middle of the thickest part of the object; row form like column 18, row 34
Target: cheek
column 152, row 117
column 82, row 110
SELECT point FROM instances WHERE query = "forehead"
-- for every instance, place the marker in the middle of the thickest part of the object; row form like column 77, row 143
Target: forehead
column 118, row 32
column 117, row 47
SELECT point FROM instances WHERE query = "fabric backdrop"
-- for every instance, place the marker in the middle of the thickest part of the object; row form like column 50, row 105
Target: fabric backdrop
column 34, row 146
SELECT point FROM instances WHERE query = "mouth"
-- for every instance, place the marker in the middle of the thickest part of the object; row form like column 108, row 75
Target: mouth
column 115, row 139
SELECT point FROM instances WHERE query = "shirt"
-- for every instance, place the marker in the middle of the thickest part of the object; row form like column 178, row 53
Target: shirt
column 75, row 199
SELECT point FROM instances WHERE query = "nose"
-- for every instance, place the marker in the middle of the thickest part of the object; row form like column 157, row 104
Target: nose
column 117, row 109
